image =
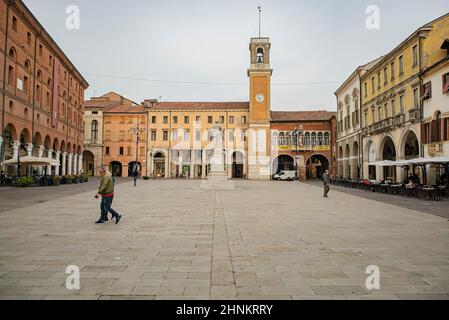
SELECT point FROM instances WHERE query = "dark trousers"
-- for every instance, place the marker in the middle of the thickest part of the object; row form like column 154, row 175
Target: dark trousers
column 105, row 207
column 326, row 189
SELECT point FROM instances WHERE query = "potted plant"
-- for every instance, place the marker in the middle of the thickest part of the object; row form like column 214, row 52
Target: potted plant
column 69, row 179
column 75, row 179
column 146, row 177
column 24, row 182
column 56, row 180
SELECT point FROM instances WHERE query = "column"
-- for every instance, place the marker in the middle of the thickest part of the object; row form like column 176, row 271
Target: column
column 69, row 164
column 49, row 156
column 58, row 157
column 40, row 153
column 245, row 165
column 228, row 162
column 167, row 165
column 29, row 149
column 192, row 163
column 203, row 163
column 80, row 163
column 15, row 152
column 180, row 162
column 64, row 160
column 75, row 164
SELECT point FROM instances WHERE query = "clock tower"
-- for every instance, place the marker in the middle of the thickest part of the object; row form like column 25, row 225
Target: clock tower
column 259, row 73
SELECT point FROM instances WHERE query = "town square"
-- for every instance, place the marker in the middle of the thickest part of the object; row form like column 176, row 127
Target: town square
column 183, row 157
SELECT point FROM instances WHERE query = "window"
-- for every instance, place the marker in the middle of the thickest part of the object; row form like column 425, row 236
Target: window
column 198, row 119
column 121, row 135
column 427, row 137
column 165, row 119
column 416, row 98
column 175, row 119
column 94, row 130
column 373, row 116
column 438, row 128
column 372, row 85
column 320, row 139
column 231, row 119
column 222, row 119
column 186, row 135
column 307, row 139
column 393, row 107
column 165, row 135
column 129, row 152
column 427, row 91
column 50, row 60
column 38, row 93
column 186, row 119
column 25, row 85
column 274, row 139
column 209, row 119
column 313, row 139
column 29, row 38
column 175, row 135
column 121, row 152
column 326, row 138
column 230, row 135
column 365, row 89
column 385, row 75
column 379, row 114
column 259, row 55
column 401, row 104
column 378, row 80
column 14, row 23
column 153, row 119
column 243, row 119
column 401, row 65
column 415, row 55
column 392, row 70
column 11, row 76
column 386, row 110
column 281, row 139
column 198, row 135
column 356, row 114
column 107, row 151
column 153, row 135
column 445, row 82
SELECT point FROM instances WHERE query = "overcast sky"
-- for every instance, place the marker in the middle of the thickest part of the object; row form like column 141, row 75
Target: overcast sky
column 198, row 49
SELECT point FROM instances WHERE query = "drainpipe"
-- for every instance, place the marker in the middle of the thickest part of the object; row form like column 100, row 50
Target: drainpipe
column 8, row 3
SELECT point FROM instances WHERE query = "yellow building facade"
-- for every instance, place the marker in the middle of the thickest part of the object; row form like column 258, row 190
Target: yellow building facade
column 391, row 100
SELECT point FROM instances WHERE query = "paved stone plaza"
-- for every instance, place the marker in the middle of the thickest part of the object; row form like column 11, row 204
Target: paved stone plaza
column 266, row 240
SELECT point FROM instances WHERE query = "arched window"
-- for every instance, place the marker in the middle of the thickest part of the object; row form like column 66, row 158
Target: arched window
column 27, row 66
column 320, row 138
column 259, row 55
column 12, row 54
column 294, row 139
column 281, row 139
column 288, row 139
column 307, row 139
column 94, row 131
column 326, row 138
column 313, row 139
column 275, row 138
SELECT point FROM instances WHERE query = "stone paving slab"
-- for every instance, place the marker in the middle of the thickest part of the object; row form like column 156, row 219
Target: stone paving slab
column 266, row 240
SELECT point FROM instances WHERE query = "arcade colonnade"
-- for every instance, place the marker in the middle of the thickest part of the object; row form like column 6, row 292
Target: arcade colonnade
column 66, row 158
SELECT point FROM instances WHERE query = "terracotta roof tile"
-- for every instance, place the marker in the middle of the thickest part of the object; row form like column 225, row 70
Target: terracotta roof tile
column 320, row 115
column 200, row 105
column 126, row 108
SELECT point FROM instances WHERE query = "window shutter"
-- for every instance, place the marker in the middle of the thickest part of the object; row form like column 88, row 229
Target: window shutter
column 445, row 82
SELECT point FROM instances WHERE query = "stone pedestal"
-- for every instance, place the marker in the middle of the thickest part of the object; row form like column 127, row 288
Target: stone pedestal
column 217, row 181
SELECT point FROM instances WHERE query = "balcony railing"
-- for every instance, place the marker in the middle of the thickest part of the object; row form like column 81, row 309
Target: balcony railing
column 385, row 124
column 413, row 115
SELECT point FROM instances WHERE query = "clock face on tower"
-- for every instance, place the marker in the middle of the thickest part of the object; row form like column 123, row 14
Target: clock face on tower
column 260, row 98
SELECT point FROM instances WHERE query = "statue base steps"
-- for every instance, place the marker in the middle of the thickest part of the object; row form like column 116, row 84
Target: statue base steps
column 217, row 181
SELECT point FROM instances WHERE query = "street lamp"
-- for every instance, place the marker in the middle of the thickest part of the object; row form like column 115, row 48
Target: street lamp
column 297, row 132
column 137, row 131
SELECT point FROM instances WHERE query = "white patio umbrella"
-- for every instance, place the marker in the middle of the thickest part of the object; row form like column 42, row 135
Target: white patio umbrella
column 32, row 161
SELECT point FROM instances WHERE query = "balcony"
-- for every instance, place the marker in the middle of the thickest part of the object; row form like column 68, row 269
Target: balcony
column 385, row 125
column 413, row 115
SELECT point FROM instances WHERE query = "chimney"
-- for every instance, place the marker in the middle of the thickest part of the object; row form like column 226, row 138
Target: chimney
column 149, row 103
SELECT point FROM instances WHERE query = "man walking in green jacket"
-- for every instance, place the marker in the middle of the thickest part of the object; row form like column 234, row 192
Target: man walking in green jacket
column 106, row 191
